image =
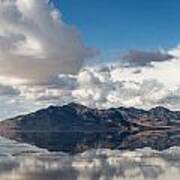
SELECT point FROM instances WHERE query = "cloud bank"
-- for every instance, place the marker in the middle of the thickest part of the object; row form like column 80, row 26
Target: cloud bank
column 105, row 87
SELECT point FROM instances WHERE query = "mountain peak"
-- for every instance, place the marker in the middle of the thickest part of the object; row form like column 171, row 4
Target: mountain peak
column 76, row 106
column 159, row 108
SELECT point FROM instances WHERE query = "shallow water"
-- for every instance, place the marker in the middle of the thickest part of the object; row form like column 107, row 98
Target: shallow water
column 25, row 162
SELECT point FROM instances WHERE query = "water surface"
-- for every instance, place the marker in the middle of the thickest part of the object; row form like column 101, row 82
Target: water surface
column 24, row 162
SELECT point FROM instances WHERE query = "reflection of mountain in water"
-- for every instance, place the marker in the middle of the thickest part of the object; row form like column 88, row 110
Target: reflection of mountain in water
column 75, row 128
column 95, row 165
column 79, row 141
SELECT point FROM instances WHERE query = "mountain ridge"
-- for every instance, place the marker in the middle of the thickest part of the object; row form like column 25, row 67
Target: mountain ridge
column 73, row 104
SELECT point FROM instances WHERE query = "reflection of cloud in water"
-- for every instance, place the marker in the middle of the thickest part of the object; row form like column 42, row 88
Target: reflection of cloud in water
column 95, row 164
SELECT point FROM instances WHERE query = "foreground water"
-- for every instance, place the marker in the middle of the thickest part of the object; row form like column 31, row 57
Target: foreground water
column 25, row 162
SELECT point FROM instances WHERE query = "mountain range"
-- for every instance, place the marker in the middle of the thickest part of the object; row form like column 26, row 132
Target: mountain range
column 74, row 128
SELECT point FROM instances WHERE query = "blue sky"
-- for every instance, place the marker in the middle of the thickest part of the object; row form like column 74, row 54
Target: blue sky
column 124, row 24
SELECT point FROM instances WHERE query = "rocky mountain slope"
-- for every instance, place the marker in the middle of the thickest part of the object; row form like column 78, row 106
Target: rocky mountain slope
column 74, row 128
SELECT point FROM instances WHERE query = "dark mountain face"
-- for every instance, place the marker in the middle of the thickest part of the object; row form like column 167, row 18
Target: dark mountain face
column 75, row 128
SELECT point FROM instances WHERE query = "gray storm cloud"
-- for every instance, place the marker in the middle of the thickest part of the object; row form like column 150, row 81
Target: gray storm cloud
column 35, row 42
column 137, row 58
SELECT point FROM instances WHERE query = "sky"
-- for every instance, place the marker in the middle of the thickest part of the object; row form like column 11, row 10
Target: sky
column 98, row 53
column 124, row 24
